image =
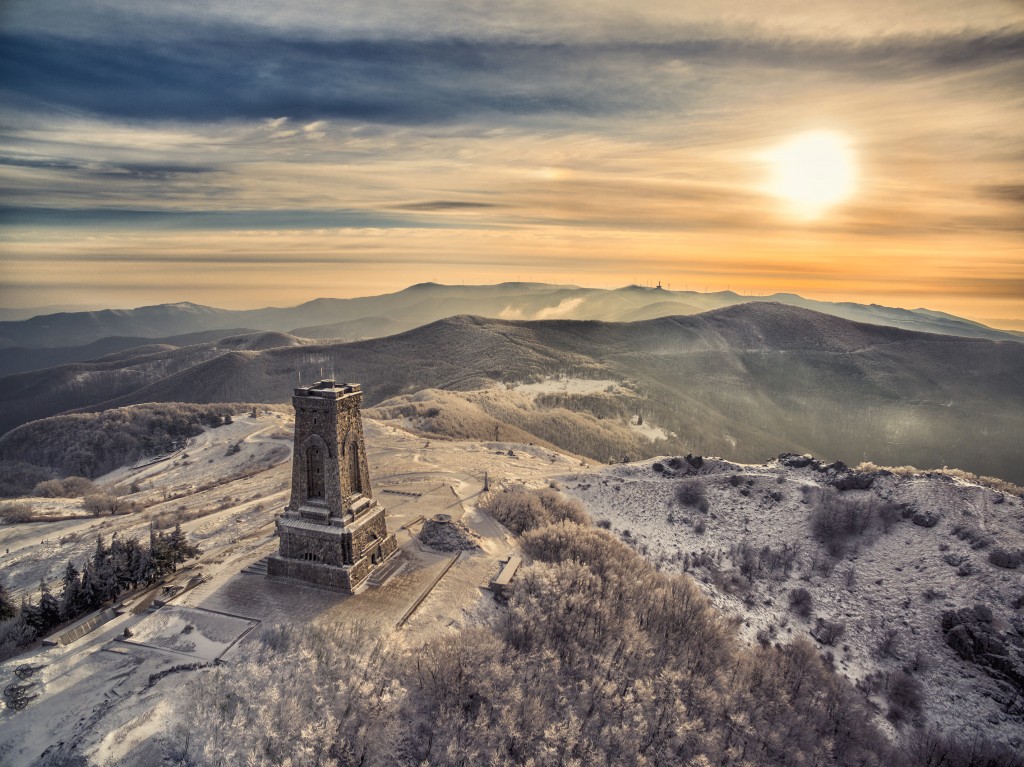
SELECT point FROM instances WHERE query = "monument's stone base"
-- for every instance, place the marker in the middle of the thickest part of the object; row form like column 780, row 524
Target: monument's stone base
column 337, row 554
column 313, row 573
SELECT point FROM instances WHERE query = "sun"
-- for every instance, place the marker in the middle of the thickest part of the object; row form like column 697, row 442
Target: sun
column 813, row 172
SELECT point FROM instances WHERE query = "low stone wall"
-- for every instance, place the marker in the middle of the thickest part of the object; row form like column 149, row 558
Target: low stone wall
column 324, row 576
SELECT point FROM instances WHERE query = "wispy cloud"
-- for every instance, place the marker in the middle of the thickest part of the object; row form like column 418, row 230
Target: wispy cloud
column 568, row 141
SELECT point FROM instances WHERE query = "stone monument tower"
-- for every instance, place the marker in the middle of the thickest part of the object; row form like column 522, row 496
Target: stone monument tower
column 332, row 532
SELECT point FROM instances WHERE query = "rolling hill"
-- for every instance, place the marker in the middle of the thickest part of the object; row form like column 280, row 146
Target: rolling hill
column 744, row 382
column 17, row 359
column 373, row 316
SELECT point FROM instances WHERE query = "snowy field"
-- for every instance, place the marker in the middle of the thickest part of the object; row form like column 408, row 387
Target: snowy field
column 567, row 385
column 202, row 634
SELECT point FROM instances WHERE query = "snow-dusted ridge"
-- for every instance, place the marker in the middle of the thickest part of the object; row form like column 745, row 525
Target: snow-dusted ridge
column 889, row 590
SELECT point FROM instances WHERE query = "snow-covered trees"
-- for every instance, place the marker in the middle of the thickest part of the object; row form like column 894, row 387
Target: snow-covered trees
column 598, row 659
column 112, row 570
column 298, row 696
column 6, row 605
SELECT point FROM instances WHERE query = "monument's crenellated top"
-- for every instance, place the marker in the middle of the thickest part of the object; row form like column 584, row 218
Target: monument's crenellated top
column 328, row 389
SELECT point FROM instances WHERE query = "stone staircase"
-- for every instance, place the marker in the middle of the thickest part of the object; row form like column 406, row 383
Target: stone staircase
column 381, row 574
column 258, row 567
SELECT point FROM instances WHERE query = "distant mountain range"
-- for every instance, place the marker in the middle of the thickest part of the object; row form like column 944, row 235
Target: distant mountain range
column 745, row 382
column 349, row 319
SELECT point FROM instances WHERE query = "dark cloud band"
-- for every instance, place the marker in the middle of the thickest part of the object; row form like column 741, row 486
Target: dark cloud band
column 241, row 73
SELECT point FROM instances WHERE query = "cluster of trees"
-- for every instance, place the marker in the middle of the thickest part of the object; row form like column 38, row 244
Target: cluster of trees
column 838, row 518
column 69, row 487
column 520, row 510
column 91, row 444
column 122, row 566
column 599, row 659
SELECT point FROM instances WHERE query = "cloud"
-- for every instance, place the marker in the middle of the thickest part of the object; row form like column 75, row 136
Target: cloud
column 510, row 313
column 432, row 205
column 253, row 220
column 1008, row 192
column 565, row 307
column 110, row 170
column 250, row 73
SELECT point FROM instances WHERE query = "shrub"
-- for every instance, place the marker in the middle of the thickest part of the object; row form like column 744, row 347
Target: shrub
column 98, row 504
column 828, row 632
column 72, row 487
column 800, row 602
column 837, row 518
column 691, row 493
column 518, row 510
column 887, row 644
column 562, row 508
column 905, row 695
column 1002, row 558
column 15, row 513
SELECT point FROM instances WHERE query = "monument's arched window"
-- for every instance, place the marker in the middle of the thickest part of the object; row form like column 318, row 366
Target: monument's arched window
column 355, row 481
column 314, row 472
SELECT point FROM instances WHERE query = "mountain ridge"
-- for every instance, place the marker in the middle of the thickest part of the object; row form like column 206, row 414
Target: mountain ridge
column 744, row 382
column 426, row 302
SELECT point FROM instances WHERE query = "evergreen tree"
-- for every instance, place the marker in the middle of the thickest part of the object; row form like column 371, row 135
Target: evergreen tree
column 142, row 567
column 179, row 548
column 101, row 553
column 49, row 609
column 32, row 616
column 103, row 573
column 72, row 604
column 159, row 551
column 7, row 610
column 120, row 564
column 89, row 592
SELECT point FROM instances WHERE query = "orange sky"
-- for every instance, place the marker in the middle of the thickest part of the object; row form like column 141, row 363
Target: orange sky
column 271, row 154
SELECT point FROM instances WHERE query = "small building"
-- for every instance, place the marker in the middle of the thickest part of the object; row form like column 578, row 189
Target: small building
column 333, row 532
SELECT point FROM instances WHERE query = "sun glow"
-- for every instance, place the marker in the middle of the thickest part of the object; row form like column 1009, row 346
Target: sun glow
column 813, row 172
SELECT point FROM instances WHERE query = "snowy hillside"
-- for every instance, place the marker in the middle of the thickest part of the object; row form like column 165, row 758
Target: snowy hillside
column 877, row 575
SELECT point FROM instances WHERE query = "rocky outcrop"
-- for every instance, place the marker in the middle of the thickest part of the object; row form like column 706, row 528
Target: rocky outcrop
column 973, row 636
column 442, row 533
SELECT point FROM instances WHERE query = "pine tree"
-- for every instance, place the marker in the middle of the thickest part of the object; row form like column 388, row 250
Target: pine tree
column 103, row 574
column 143, row 570
column 7, row 610
column 71, row 597
column 101, row 553
column 120, row 564
column 178, row 547
column 49, row 609
column 158, row 550
column 89, row 592
column 32, row 616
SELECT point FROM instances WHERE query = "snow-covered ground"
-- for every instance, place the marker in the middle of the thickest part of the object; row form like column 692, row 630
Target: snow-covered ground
column 202, row 634
column 894, row 583
column 110, row 697
column 568, row 385
column 649, row 430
